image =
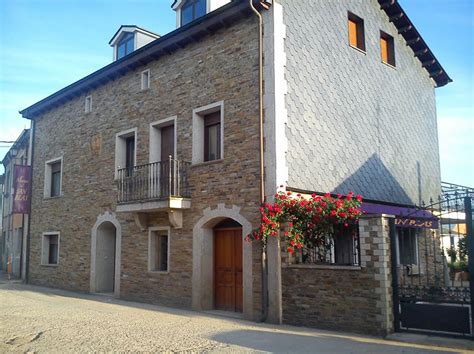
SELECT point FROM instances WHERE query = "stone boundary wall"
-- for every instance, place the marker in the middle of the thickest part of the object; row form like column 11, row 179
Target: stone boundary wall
column 355, row 299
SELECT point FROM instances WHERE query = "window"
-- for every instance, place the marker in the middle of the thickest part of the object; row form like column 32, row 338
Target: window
column 50, row 248
column 341, row 247
column 356, row 32
column 145, row 79
column 387, row 48
column 158, row 249
column 191, row 10
column 212, row 136
column 88, row 107
column 407, row 245
column 208, row 133
column 53, row 178
column 125, row 150
column 126, row 45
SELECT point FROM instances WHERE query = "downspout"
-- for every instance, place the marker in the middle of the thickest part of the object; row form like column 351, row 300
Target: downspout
column 262, row 162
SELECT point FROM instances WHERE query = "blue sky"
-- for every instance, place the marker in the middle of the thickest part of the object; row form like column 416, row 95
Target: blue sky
column 48, row 44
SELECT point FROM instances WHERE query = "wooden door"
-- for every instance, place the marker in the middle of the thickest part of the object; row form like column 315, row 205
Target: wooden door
column 167, row 142
column 228, row 280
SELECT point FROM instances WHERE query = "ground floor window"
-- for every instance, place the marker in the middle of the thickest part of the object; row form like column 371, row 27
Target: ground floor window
column 340, row 247
column 50, row 249
column 407, row 245
column 158, row 255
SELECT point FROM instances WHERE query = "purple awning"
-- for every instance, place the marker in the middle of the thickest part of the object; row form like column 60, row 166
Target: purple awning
column 404, row 216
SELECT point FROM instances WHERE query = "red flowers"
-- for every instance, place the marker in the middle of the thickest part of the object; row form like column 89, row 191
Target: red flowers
column 309, row 219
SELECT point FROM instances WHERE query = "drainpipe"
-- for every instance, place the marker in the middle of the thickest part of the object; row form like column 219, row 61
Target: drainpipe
column 262, row 163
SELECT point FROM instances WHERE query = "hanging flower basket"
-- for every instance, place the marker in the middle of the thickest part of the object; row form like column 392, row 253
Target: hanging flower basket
column 309, row 220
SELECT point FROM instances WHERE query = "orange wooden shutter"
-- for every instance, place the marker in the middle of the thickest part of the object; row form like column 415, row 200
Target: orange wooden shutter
column 352, row 33
column 384, row 49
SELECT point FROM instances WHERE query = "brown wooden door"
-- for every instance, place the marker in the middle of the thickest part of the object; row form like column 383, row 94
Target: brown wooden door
column 167, row 142
column 167, row 168
column 228, row 281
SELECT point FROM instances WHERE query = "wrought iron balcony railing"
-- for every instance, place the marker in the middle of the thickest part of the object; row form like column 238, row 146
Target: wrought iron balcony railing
column 153, row 181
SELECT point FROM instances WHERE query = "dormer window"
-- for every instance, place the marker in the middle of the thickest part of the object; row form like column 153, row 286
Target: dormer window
column 191, row 10
column 125, row 45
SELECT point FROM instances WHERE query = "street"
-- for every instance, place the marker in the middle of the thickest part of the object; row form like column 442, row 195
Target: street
column 45, row 320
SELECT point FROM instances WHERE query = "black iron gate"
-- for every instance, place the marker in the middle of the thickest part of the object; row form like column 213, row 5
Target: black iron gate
column 433, row 275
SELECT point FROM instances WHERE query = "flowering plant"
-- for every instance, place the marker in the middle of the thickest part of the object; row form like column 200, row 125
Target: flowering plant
column 309, row 219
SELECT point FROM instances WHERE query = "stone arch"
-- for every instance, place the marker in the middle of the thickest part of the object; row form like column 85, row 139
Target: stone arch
column 203, row 257
column 103, row 219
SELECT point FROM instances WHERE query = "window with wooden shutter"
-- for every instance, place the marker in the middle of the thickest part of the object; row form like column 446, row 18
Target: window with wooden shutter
column 387, row 49
column 356, row 31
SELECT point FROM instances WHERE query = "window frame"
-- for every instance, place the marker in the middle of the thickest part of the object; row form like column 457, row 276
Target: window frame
column 145, row 73
column 199, row 130
column 360, row 31
column 122, row 41
column 48, row 178
column 45, row 252
column 155, row 138
column 391, row 60
column 151, row 249
column 121, row 150
column 88, row 104
column 416, row 250
column 192, row 3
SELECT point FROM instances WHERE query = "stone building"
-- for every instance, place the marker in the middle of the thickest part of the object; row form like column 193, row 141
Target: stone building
column 14, row 225
column 149, row 172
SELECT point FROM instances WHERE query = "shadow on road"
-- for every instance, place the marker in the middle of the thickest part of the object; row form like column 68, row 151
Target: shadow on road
column 264, row 340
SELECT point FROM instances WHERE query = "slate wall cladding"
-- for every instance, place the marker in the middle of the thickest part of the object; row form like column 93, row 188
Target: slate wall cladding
column 355, row 123
column 222, row 66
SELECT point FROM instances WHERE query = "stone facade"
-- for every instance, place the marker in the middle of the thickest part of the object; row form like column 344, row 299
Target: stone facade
column 220, row 67
column 356, row 299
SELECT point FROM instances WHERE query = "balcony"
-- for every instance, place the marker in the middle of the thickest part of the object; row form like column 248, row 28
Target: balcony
column 154, row 187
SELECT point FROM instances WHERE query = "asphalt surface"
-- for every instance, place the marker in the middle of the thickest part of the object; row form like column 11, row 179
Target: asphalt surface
column 36, row 319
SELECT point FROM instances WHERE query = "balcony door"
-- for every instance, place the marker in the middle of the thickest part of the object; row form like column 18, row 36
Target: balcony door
column 167, row 166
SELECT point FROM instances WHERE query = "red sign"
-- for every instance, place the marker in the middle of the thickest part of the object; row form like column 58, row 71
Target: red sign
column 21, row 195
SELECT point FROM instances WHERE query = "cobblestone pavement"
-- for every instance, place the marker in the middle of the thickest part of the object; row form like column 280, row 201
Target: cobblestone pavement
column 45, row 320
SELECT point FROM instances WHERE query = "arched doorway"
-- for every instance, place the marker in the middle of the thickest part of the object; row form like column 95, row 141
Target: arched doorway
column 105, row 258
column 228, row 261
column 216, row 221
column 106, row 239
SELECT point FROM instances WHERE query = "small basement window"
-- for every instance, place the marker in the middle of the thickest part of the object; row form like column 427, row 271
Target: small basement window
column 88, row 107
column 356, row 31
column 158, row 253
column 146, row 79
column 387, row 48
column 50, row 249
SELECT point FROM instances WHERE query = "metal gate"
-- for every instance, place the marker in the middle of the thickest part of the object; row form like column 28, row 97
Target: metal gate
column 433, row 274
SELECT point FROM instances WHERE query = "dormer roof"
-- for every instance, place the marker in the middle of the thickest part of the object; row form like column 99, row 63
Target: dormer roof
column 130, row 29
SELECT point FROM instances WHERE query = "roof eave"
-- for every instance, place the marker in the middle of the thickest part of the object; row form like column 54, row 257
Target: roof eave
column 166, row 44
column 414, row 40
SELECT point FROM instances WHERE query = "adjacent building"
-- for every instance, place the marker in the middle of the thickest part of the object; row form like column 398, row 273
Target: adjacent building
column 148, row 173
column 14, row 225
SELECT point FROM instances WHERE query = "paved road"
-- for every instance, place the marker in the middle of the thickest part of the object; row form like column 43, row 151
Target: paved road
column 45, row 320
